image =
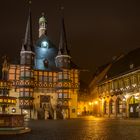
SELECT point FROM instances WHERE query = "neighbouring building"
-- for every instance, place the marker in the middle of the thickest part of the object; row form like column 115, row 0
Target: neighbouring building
column 45, row 81
column 118, row 88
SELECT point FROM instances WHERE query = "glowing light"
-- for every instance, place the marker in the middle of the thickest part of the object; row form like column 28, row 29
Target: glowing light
column 13, row 110
column 25, row 111
column 136, row 97
column 44, row 44
column 89, row 103
column 96, row 102
column 124, row 99
column 126, row 96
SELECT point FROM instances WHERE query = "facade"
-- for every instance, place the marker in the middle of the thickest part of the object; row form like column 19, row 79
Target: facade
column 119, row 88
column 45, row 82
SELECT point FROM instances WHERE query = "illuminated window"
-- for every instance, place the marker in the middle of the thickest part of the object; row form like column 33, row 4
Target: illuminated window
column 27, row 73
column 60, row 95
column 60, row 75
column 133, row 79
column 119, row 105
column 40, row 78
column 105, row 107
column 26, row 93
column 45, row 79
column 50, row 79
column 66, row 95
column 112, row 107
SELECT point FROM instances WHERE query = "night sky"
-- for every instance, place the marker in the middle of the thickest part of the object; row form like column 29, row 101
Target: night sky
column 96, row 30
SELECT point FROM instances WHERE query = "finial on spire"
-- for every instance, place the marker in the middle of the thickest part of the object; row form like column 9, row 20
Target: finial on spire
column 5, row 67
column 61, row 7
column 30, row 2
column 28, row 42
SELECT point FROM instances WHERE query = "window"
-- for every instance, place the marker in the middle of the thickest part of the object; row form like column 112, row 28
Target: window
column 119, row 106
column 45, row 79
column 60, row 75
column 40, row 78
column 116, row 84
column 112, row 107
column 60, row 95
column 22, row 73
column 105, row 107
column 27, row 94
column 50, row 79
column 65, row 95
column 27, row 73
column 127, row 82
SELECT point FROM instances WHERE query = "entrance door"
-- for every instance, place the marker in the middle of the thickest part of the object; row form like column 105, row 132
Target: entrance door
column 41, row 114
column 133, row 110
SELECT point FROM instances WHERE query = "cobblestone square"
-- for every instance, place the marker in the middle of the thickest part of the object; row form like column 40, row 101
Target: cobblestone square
column 87, row 128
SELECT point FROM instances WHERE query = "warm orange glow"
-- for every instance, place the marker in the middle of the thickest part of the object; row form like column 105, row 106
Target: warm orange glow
column 96, row 102
column 89, row 103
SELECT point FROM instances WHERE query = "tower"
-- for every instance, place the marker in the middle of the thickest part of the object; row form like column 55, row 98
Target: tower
column 63, row 60
column 42, row 26
column 63, row 57
column 45, row 50
column 26, row 87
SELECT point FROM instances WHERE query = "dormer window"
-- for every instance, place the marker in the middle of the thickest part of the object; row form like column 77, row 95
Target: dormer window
column 46, row 63
column 131, row 66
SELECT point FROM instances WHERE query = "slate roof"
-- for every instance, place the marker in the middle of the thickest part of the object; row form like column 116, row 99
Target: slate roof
column 121, row 65
column 47, row 53
column 127, row 63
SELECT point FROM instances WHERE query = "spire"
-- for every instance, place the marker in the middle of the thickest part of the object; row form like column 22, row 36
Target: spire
column 63, row 50
column 28, row 41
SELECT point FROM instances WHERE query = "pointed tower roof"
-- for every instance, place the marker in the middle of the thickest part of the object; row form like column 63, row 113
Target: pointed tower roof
column 63, row 50
column 42, row 18
column 28, row 41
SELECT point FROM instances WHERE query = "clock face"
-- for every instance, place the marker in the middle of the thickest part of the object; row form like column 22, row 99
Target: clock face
column 44, row 44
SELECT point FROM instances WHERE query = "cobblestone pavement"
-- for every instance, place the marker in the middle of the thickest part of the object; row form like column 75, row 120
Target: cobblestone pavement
column 87, row 128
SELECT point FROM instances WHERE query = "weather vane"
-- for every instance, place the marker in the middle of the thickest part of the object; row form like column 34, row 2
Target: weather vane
column 61, row 7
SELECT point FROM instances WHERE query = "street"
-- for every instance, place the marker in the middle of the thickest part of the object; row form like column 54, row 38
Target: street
column 86, row 128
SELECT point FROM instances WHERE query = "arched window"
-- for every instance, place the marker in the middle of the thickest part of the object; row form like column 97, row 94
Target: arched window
column 112, row 107
column 119, row 105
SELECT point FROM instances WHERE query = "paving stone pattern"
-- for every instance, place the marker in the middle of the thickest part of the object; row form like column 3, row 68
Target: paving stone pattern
column 87, row 128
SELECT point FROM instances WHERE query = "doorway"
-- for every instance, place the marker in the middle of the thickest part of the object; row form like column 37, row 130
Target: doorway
column 134, row 107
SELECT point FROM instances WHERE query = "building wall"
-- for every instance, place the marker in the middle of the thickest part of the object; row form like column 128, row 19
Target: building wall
column 120, row 96
column 45, row 83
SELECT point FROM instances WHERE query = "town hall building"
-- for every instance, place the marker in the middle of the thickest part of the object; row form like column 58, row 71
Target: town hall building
column 45, row 81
